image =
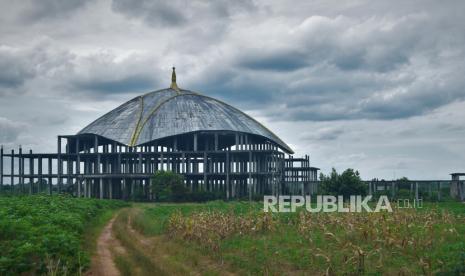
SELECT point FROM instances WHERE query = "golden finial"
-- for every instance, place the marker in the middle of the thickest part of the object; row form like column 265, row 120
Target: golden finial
column 173, row 80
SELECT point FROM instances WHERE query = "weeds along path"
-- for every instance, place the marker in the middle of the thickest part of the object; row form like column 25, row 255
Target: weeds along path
column 102, row 262
column 155, row 255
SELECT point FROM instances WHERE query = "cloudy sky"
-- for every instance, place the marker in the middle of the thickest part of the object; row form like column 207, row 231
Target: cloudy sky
column 372, row 85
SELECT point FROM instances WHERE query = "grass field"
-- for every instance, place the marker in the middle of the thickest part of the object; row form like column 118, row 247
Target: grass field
column 218, row 237
column 43, row 234
column 57, row 235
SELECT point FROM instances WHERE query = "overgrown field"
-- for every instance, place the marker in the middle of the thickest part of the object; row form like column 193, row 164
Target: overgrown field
column 246, row 240
column 43, row 234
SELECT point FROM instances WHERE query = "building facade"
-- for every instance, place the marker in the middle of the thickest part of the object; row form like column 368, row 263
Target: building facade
column 215, row 146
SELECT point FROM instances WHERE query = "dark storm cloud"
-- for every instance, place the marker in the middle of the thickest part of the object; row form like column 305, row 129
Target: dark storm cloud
column 312, row 70
column 179, row 12
column 9, row 130
column 121, row 85
column 101, row 75
column 15, row 68
column 96, row 75
column 282, row 60
column 32, row 11
column 369, row 68
column 154, row 13
column 326, row 134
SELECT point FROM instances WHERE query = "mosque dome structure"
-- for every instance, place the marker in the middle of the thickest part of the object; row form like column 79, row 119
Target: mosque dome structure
column 218, row 150
column 174, row 111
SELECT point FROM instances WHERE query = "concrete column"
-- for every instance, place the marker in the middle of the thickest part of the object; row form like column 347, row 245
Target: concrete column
column 31, row 172
column 110, row 189
column 250, row 181
column 204, row 170
column 12, row 178
column 78, row 169
column 1, row 168
column 216, row 141
column 430, row 189
column 60, row 168
column 227, row 169
column 439, row 191
column 393, row 189
column 39, row 164
column 195, row 141
column 50, row 184
column 21, row 169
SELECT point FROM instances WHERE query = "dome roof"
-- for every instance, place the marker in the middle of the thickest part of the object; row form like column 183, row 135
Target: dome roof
column 174, row 111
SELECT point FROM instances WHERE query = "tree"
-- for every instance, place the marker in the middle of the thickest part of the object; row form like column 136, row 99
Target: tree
column 403, row 183
column 346, row 184
column 169, row 186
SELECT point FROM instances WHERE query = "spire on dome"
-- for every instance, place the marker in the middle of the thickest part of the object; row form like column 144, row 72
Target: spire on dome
column 173, row 80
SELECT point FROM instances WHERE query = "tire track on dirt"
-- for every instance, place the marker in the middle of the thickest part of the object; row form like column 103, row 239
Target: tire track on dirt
column 102, row 262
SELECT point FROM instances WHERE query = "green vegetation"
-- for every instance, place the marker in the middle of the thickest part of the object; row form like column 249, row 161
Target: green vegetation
column 346, row 184
column 43, row 234
column 168, row 186
column 242, row 239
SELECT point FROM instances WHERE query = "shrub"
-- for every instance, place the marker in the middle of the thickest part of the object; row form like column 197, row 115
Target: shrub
column 39, row 233
column 168, row 186
column 345, row 184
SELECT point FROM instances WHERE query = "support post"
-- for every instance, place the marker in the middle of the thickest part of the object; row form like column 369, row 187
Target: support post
column 78, row 169
column 60, row 169
column 250, row 181
column 439, row 191
column 21, row 170
column 393, row 189
column 31, row 172
column 204, row 170
column 1, row 168
column 39, row 163
column 50, row 185
column 216, row 141
column 195, row 141
column 227, row 168
column 12, row 178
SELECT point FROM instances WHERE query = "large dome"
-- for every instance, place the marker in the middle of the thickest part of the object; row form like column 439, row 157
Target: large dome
column 174, row 111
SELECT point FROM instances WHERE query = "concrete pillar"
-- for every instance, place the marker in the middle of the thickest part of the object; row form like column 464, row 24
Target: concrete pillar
column 39, row 164
column 216, row 141
column 110, row 189
column 100, row 181
column 204, row 170
column 78, row 168
column 60, row 169
column 439, row 191
column 50, row 184
column 250, row 181
column 21, row 169
column 31, row 172
column 12, row 179
column 195, row 141
column 1, row 168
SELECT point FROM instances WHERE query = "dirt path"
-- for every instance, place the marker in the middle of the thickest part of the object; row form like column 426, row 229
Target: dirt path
column 102, row 262
column 155, row 252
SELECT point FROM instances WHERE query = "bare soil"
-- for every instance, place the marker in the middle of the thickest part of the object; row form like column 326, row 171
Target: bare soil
column 102, row 262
